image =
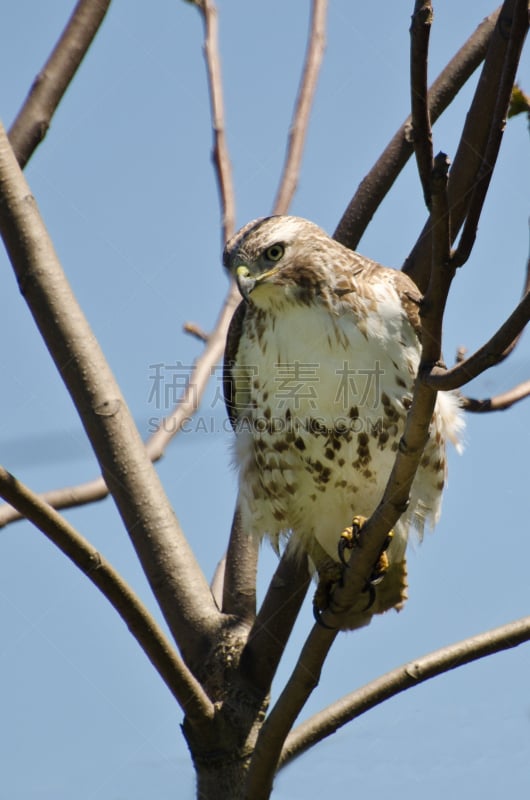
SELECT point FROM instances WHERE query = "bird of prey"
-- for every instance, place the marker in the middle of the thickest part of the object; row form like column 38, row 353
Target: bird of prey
column 320, row 363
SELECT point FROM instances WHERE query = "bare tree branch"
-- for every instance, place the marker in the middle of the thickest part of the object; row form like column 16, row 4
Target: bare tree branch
column 496, row 130
column 276, row 617
column 162, row 549
column 486, row 356
column 303, row 680
column 66, row 497
column 181, row 683
column 239, row 588
column 330, row 719
column 375, row 186
column 195, row 330
column 500, row 402
column 221, row 158
column 188, row 404
column 306, row 92
column 33, row 119
column 499, row 69
column 421, row 124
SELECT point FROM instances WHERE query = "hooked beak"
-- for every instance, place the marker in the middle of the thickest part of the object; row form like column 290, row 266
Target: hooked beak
column 247, row 282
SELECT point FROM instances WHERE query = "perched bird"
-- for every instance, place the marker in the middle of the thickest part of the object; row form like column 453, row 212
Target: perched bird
column 320, row 364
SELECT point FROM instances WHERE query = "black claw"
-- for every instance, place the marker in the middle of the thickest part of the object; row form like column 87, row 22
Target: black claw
column 317, row 614
column 343, row 545
column 370, row 588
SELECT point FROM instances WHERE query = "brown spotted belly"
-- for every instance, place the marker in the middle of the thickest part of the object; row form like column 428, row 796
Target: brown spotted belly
column 312, row 478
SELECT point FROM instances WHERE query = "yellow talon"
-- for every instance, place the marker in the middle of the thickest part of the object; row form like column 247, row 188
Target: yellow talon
column 383, row 562
column 347, row 541
column 349, row 536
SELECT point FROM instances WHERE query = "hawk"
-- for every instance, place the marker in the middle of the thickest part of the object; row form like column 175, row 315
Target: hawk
column 320, row 364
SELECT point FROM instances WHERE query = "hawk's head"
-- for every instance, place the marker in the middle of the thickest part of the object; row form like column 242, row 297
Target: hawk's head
column 279, row 257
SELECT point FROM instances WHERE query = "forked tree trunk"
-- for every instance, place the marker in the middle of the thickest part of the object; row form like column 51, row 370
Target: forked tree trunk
column 221, row 751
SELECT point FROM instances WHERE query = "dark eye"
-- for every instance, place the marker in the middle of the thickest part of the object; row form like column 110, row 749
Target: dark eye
column 274, row 252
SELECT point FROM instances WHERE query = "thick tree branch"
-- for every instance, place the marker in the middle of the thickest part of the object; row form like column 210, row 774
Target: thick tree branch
column 399, row 680
column 487, row 356
column 477, row 140
column 181, row 683
column 377, row 183
column 421, row 124
column 33, row 119
column 239, row 587
column 171, row 569
column 221, row 158
column 304, row 101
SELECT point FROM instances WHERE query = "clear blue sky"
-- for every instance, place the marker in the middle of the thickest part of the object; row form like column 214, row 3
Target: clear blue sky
column 125, row 184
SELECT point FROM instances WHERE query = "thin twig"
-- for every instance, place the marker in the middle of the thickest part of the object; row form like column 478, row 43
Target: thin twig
column 486, row 356
column 169, row 564
column 195, row 330
column 304, row 101
column 375, row 186
column 500, row 402
column 181, row 683
column 330, row 719
column 33, row 119
column 221, row 158
column 421, row 124
column 504, row 50
column 65, row 497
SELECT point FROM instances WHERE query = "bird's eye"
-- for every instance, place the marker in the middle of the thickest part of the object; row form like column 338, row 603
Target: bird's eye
column 274, row 252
